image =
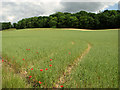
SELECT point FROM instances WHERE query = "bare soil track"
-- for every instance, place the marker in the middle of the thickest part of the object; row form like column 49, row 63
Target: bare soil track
column 62, row 79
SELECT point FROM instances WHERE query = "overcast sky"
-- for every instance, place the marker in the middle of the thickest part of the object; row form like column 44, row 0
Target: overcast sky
column 14, row 10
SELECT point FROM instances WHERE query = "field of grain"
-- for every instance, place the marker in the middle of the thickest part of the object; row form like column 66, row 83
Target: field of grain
column 49, row 58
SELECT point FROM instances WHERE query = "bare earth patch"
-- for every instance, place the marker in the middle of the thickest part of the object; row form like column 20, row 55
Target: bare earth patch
column 87, row 29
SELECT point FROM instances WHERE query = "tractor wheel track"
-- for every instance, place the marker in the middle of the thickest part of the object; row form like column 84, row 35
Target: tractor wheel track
column 62, row 79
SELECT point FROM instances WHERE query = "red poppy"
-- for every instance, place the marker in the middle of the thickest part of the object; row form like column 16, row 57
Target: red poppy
column 46, row 69
column 2, row 60
column 69, row 52
column 61, row 86
column 31, row 68
column 30, row 76
column 40, row 82
column 13, row 56
column 36, row 52
column 23, row 59
column 41, row 69
column 50, row 59
column 50, row 65
column 28, row 49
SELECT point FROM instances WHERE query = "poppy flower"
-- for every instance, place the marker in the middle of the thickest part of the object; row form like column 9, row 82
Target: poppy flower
column 31, row 68
column 50, row 65
column 69, row 52
column 23, row 59
column 36, row 52
column 41, row 69
column 40, row 82
column 50, row 59
column 28, row 49
column 30, row 76
column 61, row 86
column 13, row 56
column 2, row 60
column 46, row 69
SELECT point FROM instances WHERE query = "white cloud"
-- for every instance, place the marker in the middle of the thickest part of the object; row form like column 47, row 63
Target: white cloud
column 87, row 6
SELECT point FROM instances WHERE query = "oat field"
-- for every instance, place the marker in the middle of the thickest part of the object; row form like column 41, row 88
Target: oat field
column 50, row 58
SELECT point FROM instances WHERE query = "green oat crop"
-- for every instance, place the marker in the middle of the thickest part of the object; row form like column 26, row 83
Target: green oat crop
column 38, row 58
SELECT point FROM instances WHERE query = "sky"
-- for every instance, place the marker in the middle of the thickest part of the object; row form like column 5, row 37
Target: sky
column 113, row 7
column 15, row 10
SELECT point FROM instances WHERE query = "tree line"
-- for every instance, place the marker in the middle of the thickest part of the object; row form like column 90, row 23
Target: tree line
column 5, row 25
column 83, row 20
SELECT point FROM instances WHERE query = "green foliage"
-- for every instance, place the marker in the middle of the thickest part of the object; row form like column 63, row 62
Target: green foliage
column 108, row 19
column 52, row 22
column 86, row 22
column 5, row 25
column 73, row 22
